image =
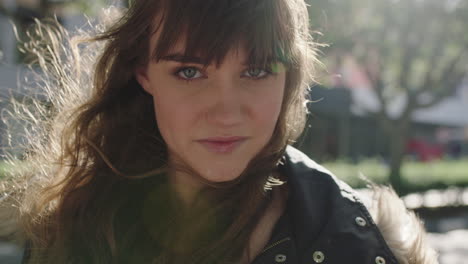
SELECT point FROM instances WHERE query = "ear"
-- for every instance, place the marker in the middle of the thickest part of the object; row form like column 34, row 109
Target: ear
column 142, row 78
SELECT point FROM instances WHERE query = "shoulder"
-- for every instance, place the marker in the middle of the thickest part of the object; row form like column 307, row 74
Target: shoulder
column 314, row 183
column 328, row 216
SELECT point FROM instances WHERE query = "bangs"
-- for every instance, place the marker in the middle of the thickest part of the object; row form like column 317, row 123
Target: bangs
column 210, row 28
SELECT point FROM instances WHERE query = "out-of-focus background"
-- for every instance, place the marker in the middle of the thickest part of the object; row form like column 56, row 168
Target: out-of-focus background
column 392, row 103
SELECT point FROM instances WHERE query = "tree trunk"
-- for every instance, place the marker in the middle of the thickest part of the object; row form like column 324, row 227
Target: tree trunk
column 396, row 160
column 398, row 136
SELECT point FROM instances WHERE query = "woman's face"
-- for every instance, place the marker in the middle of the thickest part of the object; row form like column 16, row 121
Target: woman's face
column 214, row 119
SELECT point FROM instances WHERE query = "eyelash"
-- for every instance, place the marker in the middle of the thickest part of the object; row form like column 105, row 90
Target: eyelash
column 180, row 69
column 268, row 71
column 177, row 71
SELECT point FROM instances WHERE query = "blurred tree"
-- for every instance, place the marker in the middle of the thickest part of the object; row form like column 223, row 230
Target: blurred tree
column 414, row 48
column 23, row 13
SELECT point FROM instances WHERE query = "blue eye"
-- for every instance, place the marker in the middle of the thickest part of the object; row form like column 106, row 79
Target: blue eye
column 188, row 73
column 257, row 73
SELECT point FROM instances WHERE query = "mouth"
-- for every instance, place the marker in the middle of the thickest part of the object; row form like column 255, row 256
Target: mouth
column 222, row 145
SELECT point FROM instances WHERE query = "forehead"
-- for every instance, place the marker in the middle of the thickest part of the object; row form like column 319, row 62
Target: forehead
column 179, row 51
column 211, row 29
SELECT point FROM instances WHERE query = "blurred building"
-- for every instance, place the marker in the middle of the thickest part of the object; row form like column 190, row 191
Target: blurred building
column 343, row 122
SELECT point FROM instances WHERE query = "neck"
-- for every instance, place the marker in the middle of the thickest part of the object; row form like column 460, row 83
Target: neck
column 186, row 186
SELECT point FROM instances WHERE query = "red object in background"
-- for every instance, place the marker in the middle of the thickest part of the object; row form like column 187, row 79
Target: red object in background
column 424, row 151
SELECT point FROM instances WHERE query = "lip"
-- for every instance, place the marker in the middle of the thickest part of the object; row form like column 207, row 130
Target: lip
column 222, row 145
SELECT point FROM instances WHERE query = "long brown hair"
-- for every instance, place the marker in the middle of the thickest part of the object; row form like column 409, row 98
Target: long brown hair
column 95, row 190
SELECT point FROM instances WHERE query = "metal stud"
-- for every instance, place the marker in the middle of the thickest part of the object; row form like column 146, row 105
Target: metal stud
column 379, row 260
column 360, row 221
column 280, row 258
column 318, row 256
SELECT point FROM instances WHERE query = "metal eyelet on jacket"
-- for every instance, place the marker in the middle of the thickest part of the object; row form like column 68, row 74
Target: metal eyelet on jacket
column 379, row 260
column 318, row 256
column 360, row 221
column 280, row 258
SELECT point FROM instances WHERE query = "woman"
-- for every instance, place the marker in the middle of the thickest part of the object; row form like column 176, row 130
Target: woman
column 178, row 153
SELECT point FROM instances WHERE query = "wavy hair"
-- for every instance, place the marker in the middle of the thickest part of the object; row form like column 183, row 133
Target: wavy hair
column 92, row 186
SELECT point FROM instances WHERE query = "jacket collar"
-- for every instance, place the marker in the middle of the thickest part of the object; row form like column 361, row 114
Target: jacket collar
column 323, row 214
column 312, row 196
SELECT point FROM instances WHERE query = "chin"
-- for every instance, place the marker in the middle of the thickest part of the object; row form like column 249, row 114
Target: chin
column 221, row 175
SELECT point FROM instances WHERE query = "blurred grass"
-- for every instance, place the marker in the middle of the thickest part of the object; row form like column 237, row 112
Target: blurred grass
column 372, row 169
column 416, row 176
column 445, row 172
column 8, row 167
column 3, row 168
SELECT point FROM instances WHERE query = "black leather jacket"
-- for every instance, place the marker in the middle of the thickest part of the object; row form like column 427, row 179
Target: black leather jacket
column 324, row 221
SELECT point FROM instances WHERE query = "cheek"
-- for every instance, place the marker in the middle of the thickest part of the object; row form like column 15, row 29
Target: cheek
column 267, row 106
column 173, row 119
column 173, row 112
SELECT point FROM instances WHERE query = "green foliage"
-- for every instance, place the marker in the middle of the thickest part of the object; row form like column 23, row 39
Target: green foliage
column 8, row 169
column 416, row 176
column 90, row 8
column 407, row 45
column 3, row 169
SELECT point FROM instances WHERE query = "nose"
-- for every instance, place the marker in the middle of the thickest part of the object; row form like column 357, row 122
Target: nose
column 227, row 105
